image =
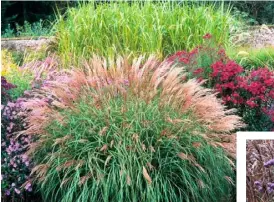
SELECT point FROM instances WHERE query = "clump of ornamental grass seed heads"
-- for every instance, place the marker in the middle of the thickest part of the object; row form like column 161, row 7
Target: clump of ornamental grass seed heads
column 117, row 131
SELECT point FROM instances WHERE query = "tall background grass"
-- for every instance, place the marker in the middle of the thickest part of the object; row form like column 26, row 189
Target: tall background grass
column 121, row 28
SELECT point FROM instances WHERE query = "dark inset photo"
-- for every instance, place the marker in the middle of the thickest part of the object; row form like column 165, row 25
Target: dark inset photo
column 260, row 170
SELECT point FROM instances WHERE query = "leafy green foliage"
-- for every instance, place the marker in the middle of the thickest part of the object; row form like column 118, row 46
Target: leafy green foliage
column 256, row 11
column 19, row 12
column 256, row 120
column 243, row 16
column 14, row 74
column 34, row 29
column 22, row 81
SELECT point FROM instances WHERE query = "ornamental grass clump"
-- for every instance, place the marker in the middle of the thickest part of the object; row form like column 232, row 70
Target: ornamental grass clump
column 116, row 131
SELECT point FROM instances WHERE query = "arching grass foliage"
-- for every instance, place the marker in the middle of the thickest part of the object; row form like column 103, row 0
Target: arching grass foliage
column 121, row 132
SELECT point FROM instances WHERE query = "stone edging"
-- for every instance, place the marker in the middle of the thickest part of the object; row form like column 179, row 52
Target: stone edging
column 25, row 43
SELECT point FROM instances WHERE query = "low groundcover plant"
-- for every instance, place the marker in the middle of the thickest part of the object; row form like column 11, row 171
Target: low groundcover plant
column 121, row 132
column 15, row 165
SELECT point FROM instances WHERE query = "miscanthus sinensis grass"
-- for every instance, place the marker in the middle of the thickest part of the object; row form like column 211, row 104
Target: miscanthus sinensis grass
column 162, row 28
column 130, row 132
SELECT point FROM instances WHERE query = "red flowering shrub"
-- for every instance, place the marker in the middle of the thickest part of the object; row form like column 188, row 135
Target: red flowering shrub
column 259, row 93
column 197, row 62
column 251, row 92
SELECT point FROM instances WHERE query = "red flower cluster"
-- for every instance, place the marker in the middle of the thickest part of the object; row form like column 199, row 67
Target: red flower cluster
column 193, row 61
column 183, row 57
column 226, row 72
column 227, row 80
column 207, row 36
column 198, row 71
column 254, row 90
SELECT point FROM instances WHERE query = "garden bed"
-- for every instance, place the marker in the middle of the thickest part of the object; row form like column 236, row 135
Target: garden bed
column 137, row 108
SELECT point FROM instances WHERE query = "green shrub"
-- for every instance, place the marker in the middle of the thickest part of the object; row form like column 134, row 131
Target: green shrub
column 28, row 29
column 123, row 132
column 255, row 11
column 23, row 82
column 14, row 74
column 9, row 32
column 119, row 28
column 37, row 66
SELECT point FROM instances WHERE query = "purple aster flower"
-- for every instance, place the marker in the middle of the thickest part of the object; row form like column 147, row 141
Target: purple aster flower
column 126, row 82
column 269, row 163
column 260, row 189
column 258, row 183
column 17, row 191
column 109, row 81
column 28, row 187
column 269, row 190
column 24, row 157
column 7, row 192
column 271, row 185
